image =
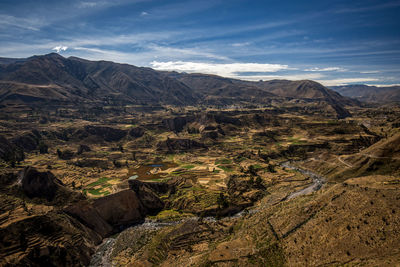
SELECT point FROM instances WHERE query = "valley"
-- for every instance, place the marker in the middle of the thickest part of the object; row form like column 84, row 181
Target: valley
column 120, row 165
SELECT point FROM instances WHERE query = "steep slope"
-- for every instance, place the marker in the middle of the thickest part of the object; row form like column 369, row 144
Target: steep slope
column 370, row 93
column 381, row 158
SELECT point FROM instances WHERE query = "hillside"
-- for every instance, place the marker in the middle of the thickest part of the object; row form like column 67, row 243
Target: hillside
column 381, row 158
column 53, row 77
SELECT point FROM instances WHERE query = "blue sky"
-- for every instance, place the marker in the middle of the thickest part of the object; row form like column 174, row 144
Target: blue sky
column 330, row 41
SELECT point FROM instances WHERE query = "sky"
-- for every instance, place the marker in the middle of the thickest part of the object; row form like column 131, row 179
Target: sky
column 334, row 42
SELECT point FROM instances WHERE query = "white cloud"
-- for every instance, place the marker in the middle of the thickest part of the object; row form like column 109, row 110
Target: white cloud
column 326, row 69
column 293, row 77
column 223, row 69
column 60, row 48
column 370, row 72
column 241, row 44
column 144, row 13
column 88, row 4
column 383, row 85
column 346, row 81
column 32, row 24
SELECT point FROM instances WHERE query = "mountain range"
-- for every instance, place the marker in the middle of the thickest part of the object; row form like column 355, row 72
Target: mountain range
column 368, row 93
column 56, row 79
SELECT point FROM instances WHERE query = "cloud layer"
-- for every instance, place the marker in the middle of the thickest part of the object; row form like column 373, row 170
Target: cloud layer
column 226, row 70
column 319, row 40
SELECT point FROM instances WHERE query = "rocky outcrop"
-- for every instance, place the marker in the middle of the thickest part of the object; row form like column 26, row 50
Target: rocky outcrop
column 83, row 148
column 28, row 141
column 39, row 184
column 176, row 124
column 106, row 133
column 9, row 152
column 148, row 196
column 137, row 132
column 65, row 154
column 90, row 217
column 111, row 213
column 178, row 145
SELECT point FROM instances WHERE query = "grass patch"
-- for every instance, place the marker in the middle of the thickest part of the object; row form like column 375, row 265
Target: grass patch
column 257, row 166
column 188, row 167
column 225, row 168
column 161, row 179
column 223, row 161
column 100, row 181
column 296, row 141
column 167, row 215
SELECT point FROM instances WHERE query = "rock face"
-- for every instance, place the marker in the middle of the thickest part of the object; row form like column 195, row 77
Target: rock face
column 146, row 193
column 90, row 217
column 177, row 145
column 111, row 213
column 119, row 209
column 39, row 184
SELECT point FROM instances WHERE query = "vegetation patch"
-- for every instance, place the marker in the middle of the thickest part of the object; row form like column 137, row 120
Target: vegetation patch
column 223, row 161
column 226, row 168
column 188, row 167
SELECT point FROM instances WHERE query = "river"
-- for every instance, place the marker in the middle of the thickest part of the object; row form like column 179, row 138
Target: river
column 318, row 181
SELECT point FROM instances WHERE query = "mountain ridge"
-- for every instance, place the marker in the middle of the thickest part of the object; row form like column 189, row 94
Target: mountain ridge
column 53, row 77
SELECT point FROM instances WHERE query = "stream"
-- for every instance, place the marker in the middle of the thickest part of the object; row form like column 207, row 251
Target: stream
column 318, row 181
column 102, row 255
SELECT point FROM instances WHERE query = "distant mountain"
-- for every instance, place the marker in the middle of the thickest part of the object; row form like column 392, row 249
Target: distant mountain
column 54, row 79
column 304, row 89
column 219, row 90
column 367, row 93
